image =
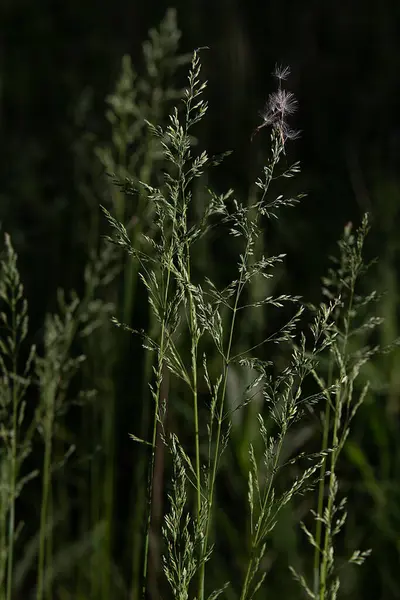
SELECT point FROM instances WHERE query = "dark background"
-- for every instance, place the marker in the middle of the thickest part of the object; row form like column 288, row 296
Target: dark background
column 344, row 61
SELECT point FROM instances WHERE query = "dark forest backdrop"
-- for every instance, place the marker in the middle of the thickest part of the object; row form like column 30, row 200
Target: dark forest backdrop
column 59, row 63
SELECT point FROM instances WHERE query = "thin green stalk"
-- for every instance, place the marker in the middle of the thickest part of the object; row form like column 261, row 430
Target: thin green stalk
column 196, row 429
column 256, row 542
column 46, row 482
column 49, row 544
column 259, row 533
column 193, row 327
column 157, row 395
column 159, row 375
column 131, row 279
column 3, row 544
column 11, row 522
column 95, row 506
column 335, row 453
column 14, row 469
column 140, row 493
column 218, row 440
column 246, row 582
column 321, row 487
column 331, row 498
column 271, row 480
column 211, row 486
column 109, row 498
column 194, row 349
column 153, row 445
column 194, row 355
column 130, row 283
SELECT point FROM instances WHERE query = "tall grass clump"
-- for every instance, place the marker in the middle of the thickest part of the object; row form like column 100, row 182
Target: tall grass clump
column 351, row 345
column 181, row 302
column 55, row 370
column 38, row 386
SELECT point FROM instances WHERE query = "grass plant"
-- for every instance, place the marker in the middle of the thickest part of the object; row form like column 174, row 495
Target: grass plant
column 203, row 374
column 178, row 301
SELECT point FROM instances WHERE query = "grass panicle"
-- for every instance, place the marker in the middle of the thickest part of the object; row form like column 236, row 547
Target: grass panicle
column 351, row 318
